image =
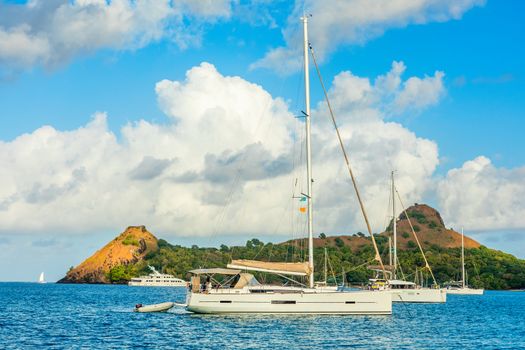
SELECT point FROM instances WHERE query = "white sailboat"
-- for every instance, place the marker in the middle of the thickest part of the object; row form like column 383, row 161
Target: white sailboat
column 407, row 291
column 240, row 292
column 41, row 278
column 461, row 287
column 324, row 284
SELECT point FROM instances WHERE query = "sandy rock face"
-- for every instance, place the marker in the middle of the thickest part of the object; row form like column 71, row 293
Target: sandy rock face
column 129, row 247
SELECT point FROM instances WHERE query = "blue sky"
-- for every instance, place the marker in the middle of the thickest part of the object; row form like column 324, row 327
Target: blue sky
column 479, row 110
column 481, row 55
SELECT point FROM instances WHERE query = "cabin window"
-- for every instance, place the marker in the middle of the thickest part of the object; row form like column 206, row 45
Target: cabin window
column 284, row 302
column 349, row 302
column 225, row 301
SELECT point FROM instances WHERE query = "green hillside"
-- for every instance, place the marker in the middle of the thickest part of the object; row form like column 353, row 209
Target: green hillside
column 486, row 268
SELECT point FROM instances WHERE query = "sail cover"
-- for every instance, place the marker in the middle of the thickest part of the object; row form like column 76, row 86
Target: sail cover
column 297, row 269
column 379, row 268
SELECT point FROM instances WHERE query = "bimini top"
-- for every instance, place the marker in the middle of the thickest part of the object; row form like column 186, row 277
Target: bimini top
column 216, row 270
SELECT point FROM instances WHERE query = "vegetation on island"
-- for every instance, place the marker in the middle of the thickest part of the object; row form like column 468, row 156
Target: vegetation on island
column 131, row 252
column 487, row 268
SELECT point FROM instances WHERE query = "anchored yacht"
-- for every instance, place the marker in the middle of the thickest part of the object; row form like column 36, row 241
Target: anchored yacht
column 235, row 290
column 157, row 279
column 406, row 291
column 240, row 292
column 461, row 287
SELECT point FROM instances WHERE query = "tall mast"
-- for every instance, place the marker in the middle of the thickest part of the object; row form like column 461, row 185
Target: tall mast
column 394, row 226
column 325, row 266
column 462, row 259
column 390, row 250
column 308, row 153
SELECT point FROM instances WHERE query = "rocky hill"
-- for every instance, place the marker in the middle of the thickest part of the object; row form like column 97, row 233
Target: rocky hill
column 427, row 222
column 430, row 229
column 130, row 247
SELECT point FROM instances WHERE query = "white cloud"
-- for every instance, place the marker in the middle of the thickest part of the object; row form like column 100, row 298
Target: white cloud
column 19, row 46
column 52, row 32
column 420, row 93
column 344, row 22
column 388, row 95
column 208, row 8
column 224, row 164
column 49, row 33
column 480, row 196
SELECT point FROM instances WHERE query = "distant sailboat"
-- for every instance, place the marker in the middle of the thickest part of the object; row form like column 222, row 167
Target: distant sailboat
column 41, row 278
column 462, row 287
column 406, row 291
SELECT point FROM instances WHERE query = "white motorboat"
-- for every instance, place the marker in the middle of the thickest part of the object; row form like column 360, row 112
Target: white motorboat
column 162, row 307
column 157, row 279
column 237, row 291
column 461, row 287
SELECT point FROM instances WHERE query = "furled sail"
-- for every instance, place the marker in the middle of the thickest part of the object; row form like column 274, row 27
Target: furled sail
column 297, row 269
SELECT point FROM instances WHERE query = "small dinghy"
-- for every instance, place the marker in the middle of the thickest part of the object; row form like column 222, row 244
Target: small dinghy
column 154, row 307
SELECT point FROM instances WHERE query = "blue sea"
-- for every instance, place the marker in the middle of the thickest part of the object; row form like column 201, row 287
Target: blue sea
column 53, row 316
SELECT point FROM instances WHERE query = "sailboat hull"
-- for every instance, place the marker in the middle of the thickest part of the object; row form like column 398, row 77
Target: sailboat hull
column 342, row 303
column 421, row 295
column 466, row 291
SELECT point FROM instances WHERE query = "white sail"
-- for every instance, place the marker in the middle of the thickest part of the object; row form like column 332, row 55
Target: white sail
column 41, row 278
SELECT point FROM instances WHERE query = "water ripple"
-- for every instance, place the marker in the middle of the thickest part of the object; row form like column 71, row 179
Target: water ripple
column 50, row 316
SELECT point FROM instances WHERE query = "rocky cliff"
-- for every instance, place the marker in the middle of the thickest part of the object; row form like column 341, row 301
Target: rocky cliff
column 427, row 222
column 128, row 248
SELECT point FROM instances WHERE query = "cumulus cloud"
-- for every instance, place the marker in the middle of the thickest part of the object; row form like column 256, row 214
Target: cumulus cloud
column 229, row 161
column 51, row 32
column 419, row 93
column 388, row 95
column 344, row 22
column 480, row 196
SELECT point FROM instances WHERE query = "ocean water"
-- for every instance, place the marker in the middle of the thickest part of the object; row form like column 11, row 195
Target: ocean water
column 52, row 316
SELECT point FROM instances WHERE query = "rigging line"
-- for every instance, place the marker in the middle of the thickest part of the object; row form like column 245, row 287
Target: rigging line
column 387, row 215
column 401, row 269
column 404, row 304
column 331, row 269
column 359, row 266
column 415, row 236
column 363, row 211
